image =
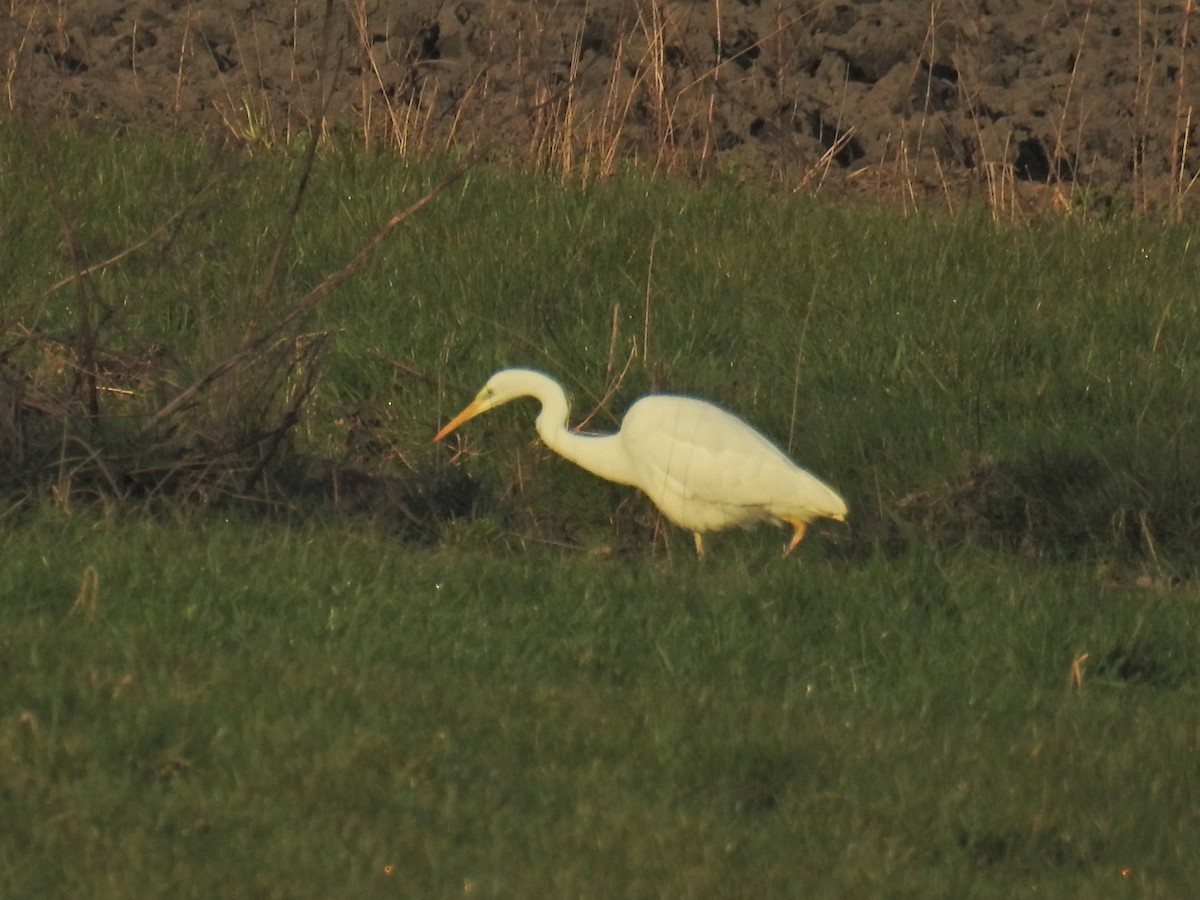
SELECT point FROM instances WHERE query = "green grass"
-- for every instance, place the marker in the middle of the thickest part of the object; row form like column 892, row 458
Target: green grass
column 534, row 689
column 263, row 710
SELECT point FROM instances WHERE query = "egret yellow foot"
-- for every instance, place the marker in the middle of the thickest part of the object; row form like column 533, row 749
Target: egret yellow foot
column 797, row 536
column 699, row 544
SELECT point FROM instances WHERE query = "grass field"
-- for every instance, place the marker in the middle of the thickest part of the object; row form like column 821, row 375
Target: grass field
column 503, row 677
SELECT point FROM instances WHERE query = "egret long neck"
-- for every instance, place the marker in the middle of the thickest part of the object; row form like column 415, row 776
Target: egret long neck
column 600, row 454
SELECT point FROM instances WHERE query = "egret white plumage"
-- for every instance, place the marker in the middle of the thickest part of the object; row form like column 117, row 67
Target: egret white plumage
column 703, row 467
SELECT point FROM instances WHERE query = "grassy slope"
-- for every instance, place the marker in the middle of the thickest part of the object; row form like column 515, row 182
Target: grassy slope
column 262, row 709
column 896, row 357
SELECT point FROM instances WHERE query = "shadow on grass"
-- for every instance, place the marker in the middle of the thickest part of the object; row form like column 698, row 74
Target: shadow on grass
column 1024, row 848
column 1064, row 504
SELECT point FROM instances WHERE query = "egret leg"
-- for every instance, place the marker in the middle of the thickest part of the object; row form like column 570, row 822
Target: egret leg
column 800, row 527
column 699, row 544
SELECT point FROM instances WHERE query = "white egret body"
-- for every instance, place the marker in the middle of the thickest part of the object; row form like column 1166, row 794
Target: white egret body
column 703, row 467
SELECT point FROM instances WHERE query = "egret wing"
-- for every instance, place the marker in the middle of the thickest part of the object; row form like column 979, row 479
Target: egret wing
column 703, row 453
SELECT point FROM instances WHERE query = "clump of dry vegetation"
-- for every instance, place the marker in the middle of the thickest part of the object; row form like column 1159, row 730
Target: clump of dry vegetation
column 96, row 410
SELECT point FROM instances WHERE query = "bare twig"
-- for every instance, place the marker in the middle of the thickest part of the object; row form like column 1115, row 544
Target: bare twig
column 85, row 331
column 159, row 231
column 307, row 302
column 310, row 154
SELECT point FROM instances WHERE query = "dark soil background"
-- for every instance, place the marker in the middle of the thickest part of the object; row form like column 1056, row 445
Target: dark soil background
column 1057, row 101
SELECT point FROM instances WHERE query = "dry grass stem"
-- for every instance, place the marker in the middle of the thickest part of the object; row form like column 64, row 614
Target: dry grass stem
column 87, row 600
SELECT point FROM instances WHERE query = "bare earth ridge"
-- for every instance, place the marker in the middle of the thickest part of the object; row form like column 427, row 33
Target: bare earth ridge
column 1017, row 99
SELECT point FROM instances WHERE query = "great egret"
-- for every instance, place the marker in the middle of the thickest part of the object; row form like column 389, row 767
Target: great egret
column 703, row 467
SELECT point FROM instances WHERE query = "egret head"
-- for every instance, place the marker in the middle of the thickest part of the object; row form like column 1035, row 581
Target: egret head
column 505, row 385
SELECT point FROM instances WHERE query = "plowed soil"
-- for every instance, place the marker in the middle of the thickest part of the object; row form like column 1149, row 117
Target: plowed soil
column 1074, row 101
